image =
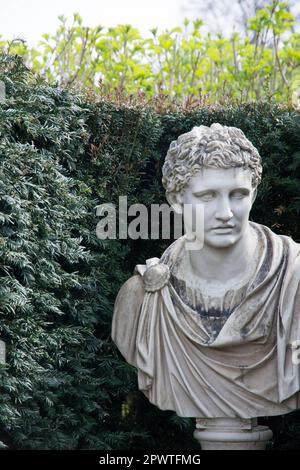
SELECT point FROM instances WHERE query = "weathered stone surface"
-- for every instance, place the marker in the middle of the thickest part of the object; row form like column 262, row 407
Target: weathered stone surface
column 211, row 330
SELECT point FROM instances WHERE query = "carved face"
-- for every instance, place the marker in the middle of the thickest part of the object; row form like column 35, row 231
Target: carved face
column 226, row 196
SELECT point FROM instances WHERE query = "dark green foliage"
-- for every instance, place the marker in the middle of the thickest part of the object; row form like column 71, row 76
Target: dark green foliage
column 56, row 294
column 65, row 386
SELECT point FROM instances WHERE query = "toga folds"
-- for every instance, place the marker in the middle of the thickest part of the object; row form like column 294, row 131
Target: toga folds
column 245, row 368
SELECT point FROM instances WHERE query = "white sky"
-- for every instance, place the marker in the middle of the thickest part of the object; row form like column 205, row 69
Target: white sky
column 29, row 19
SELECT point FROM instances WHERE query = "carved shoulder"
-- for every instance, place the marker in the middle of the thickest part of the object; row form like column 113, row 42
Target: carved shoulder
column 126, row 315
column 130, row 295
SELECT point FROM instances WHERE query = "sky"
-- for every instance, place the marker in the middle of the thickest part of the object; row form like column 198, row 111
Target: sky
column 29, row 19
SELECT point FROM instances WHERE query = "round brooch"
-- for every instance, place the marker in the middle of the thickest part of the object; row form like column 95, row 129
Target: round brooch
column 156, row 277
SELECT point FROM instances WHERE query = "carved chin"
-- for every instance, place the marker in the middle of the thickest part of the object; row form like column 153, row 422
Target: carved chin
column 221, row 240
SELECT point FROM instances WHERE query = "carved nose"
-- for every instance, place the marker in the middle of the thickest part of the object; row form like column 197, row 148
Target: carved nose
column 224, row 213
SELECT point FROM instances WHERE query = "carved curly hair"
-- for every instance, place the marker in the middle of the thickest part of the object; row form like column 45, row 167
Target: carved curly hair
column 216, row 146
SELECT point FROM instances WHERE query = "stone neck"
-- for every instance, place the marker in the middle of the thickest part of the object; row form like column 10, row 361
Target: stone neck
column 217, row 287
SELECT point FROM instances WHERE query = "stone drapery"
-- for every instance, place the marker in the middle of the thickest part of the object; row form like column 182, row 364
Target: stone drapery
column 247, row 370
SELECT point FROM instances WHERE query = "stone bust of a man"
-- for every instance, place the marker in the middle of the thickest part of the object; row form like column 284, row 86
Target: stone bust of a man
column 211, row 331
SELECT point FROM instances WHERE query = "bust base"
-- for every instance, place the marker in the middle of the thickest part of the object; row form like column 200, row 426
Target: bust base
column 231, row 434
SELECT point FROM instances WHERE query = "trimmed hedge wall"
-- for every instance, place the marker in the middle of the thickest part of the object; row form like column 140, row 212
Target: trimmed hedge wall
column 64, row 385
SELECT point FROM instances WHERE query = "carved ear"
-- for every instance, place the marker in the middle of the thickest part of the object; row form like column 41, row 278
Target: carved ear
column 175, row 200
column 254, row 195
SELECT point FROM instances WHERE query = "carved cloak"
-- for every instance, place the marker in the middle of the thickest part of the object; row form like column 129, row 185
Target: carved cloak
column 247, row 370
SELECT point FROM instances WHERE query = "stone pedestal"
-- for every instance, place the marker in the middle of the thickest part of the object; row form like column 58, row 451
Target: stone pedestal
column 231, row 434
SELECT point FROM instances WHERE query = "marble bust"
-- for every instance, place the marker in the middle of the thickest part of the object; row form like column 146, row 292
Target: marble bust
column 211, row 330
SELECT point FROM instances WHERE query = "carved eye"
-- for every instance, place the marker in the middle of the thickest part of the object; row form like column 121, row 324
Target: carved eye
column 239, row 194
column 206, row 197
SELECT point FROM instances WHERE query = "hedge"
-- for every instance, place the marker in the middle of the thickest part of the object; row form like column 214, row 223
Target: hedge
column 64, row 385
